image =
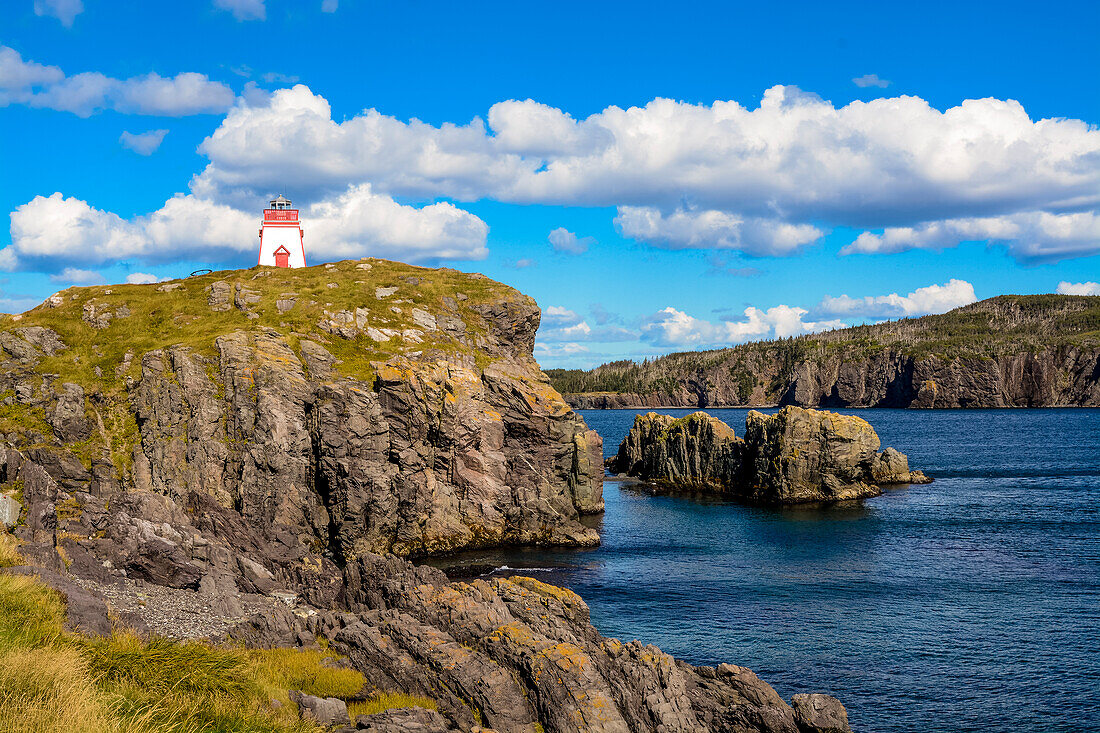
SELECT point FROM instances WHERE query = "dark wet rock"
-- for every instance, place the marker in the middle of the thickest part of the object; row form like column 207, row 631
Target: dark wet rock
column 795, row 456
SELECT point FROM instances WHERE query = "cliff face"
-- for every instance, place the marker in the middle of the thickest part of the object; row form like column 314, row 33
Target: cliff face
column 795, row 456
column 404, row 415
column 1026, row 351
column 259, row 439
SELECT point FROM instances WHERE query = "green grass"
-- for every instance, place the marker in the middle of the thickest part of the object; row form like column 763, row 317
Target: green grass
column 182, row 317
column 53, row 681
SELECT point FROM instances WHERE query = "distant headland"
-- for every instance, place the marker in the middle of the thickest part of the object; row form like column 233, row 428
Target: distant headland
column 1008, row 351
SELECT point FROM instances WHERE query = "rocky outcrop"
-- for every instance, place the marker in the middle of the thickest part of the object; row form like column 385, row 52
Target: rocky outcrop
column 506, row 653
column 255, row 450
column 793, row 457
column 510, row 653
column 1010, row 351
column 444, row 436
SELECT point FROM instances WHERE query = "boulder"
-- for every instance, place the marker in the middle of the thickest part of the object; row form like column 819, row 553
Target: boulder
column 326, row 711
column 10, row 509
column 820, row 714
column 798, row 455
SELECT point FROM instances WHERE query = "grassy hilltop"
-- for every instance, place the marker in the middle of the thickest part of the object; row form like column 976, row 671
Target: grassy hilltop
column 105, row 330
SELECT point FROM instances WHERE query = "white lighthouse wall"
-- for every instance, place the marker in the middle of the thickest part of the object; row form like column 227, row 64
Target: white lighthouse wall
column 273, row 237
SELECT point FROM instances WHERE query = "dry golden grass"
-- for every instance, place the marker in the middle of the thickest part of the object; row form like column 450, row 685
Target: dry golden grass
column 304, row 670
column 9, row 552
column 51, row 680
column 46, row 690
column 388, row 701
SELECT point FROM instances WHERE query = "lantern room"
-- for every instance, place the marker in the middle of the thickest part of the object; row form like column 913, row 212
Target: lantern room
column 282, row 240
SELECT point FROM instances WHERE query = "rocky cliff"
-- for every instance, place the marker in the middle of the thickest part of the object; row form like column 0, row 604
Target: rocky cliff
column 359, row 407
column 1009, row 351
column 243, row 455
column 793, row 457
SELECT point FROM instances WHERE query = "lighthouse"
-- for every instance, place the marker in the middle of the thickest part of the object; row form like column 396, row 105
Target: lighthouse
column 282, row 241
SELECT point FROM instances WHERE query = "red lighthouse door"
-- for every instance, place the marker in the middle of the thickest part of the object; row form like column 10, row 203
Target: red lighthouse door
column 282, row 257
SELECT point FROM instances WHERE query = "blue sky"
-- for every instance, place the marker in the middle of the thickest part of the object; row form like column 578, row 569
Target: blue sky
column 658, row 177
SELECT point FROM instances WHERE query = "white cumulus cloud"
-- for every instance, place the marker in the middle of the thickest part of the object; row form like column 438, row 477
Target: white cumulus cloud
column 559, row 324
column 243, row 9
column 48, row 231
column 143, row 143
column 675, row 328
column 870, row 80
column 75, row 276
column 1034, row 236
column 37, row 85
column 64, row 10
column 144, row 278
column 563, row 240
column 19, row 77
column 713, row 230
column 1086, row 288
column 360, row 222
column 765, row 180
column 922, row 301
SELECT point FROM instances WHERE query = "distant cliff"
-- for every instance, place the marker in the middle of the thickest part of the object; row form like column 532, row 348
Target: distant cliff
column 1008, row 351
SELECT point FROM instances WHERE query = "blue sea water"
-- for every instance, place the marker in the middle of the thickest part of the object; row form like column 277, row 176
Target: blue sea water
column 970, row 604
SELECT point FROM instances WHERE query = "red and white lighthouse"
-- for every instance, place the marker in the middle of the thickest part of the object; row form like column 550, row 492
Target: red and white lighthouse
column 282, row 241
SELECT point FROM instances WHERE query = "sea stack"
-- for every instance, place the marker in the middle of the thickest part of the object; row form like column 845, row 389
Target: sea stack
column 796, row 456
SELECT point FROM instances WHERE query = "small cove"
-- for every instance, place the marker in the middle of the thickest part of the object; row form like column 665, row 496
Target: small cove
column 970, row 604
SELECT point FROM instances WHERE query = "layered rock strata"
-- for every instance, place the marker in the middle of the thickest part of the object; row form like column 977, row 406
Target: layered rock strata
column 510, row 653
column 795, row 456
column 507, row 653
column 415, row 423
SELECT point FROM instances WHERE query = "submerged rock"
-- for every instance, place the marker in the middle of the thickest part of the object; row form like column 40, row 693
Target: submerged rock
column 795, row 456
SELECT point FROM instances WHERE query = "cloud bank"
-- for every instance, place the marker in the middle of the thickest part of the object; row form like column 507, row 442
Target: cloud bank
column 768, row 181
column 671, row 328
column 38, row 85
column 765, row 181
column 51, row 231
column 1087, row 288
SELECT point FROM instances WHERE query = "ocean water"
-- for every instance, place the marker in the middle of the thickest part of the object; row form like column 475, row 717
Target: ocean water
column 970, row 604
